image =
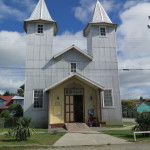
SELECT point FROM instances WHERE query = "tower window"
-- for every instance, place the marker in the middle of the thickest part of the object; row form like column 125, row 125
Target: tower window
column 40, row 28
column 73, row 67
column 38, row 98
column 103, row 31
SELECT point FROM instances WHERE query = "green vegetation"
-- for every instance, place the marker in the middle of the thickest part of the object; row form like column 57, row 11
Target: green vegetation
column 5, row 114
column 125, row 134
column 17, row 109
column 37, row 139
column 3, row 130
column 23, row 130
column 40, row 130
column 143, row 123
column 111, row 126
column 128, row 123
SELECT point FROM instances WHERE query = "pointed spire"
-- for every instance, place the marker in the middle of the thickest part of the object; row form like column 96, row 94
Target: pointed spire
column 40, row 12
column 100, row 14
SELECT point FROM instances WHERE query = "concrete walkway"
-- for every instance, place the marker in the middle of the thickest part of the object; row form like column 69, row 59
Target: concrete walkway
column 88, row 138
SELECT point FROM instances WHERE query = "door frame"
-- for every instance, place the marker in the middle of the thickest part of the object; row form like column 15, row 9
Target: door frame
column 73, row 102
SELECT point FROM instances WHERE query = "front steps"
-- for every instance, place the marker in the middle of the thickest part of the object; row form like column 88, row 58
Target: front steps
column 77, row 127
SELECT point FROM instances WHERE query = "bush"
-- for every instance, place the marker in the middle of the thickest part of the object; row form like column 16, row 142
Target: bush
column 5, row 114
column 23, row 131
column 143, row 123
column 17, row 109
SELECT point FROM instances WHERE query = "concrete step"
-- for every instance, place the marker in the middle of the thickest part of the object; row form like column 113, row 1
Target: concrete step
column 77, row 127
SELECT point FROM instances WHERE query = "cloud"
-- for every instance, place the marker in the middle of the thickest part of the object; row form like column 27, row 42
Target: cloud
column 133, row 43
column 67, row 39
column 85, row 10
column 12, row 55
column 13, row 10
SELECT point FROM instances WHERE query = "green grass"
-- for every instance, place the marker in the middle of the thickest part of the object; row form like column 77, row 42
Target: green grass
column 110, row 126
column 128, row 123
column 36, row 139
column 125, row 134
column 40, row 130
column 4, row 130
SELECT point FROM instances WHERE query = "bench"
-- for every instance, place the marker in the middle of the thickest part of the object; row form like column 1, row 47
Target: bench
column 139, row 132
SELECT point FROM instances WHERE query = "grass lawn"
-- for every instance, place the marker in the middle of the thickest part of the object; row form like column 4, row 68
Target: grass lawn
column 4, row 130
column 125, row 134
column 128, row 123
column 36, row 139
column 40, row 130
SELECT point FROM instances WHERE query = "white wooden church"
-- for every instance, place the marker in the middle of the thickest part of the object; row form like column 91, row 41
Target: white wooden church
column 72, row 85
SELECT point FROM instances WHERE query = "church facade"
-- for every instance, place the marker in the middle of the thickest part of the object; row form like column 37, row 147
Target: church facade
column 73, row 84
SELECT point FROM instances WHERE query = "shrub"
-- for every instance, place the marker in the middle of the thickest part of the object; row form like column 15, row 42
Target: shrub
column 17, row 109
column 5, row 114
column 23, row 130
column 143, row 123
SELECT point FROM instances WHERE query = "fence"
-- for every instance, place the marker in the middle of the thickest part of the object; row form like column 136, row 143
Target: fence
column 8, row 122
column 2, row 121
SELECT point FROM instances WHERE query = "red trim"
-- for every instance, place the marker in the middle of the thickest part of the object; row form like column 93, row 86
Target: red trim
column 60, row 125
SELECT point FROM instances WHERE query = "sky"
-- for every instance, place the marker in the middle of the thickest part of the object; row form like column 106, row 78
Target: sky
column 133, row 38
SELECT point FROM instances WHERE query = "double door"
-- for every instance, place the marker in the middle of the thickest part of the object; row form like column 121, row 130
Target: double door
column 74, row 108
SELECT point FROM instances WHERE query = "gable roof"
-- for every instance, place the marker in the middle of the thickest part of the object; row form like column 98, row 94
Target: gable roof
column 74, row 48
column 41, row 13
column 79, row 77
column 140, row 103
column 100, row 14
column 8, row 100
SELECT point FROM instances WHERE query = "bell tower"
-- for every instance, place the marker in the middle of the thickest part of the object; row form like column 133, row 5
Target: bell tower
column 40, row 29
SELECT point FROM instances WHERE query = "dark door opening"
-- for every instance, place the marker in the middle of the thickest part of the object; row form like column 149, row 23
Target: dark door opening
column 78, row 108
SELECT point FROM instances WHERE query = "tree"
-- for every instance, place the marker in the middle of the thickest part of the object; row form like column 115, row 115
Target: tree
column 7, row 93
column 20, row 92
column 5, row 114
column 16, row 109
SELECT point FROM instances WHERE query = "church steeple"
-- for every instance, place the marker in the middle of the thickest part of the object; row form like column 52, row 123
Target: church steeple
column 41, row 13
column 100, row 17
column 100, row 14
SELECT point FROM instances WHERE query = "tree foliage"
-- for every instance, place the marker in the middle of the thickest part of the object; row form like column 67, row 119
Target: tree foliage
column 17, row 109
column 5, row 114
column 7, row 93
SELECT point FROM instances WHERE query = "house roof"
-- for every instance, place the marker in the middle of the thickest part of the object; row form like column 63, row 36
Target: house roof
column 40, row 13
column 8, row 99
column 100, row 14
column 79, row 77
column 74, row 48
column 18, row 98
column 140, row 103
column 100, row 17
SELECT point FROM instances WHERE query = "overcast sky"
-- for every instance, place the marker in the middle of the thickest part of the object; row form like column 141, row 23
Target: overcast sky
column 133, row 38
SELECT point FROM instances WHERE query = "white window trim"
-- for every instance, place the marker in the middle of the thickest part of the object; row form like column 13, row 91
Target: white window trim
column 104, row 99
column 33, row 99
column 70, row 66
column 37, row 29
column 100, row 31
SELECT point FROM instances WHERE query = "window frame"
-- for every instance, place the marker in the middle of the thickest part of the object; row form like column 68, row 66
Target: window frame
column 71, row 68
column 112, row 99
column 100, row 31
column 42, row 99
column 38, row 28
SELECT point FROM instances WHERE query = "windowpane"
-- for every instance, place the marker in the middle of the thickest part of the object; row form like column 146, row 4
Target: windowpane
column 73, row 67
column 38, row 98
column 108, row 98
column 103, row 31
column 40, row 28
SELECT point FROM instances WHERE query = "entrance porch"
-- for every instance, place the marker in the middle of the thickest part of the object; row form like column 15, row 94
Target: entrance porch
column 73, row 100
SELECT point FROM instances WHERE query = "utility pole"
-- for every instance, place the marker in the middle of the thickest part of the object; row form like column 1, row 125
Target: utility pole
column 148, row 25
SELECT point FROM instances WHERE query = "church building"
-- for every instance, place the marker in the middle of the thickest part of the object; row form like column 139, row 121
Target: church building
column 70, row 86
